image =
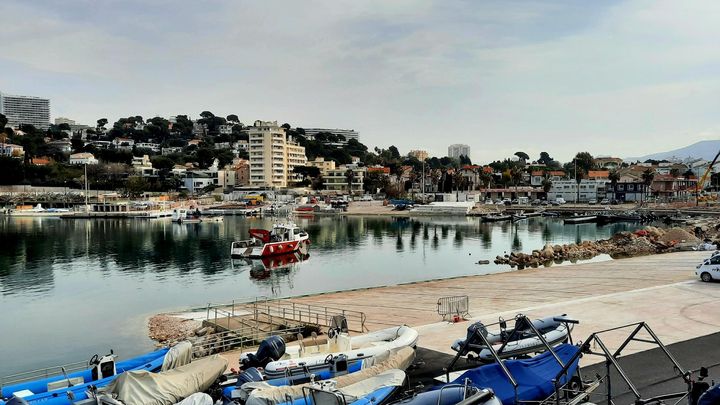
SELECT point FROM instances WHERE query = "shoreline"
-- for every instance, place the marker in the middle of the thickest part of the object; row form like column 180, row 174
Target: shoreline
column 600, row 294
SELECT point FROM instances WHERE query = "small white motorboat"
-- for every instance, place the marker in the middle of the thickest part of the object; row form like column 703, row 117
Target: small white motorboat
column 277, row 360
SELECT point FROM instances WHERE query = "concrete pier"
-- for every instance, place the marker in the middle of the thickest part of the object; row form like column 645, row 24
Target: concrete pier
column 659, row 289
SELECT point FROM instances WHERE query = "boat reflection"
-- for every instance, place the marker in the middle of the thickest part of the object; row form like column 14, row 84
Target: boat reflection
column 273, row 271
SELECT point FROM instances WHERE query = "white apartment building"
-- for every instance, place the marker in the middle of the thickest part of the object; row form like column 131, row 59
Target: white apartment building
column 83, row 159
column 568, row 190
column 347, row 133
column 336, row 180
column 273, row 155
column 25, row 110
column 123, row 143
column 455, row 150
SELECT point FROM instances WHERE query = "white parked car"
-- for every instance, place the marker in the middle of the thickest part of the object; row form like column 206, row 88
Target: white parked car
column 367, row 197
column 709, row 269
column 560, row 200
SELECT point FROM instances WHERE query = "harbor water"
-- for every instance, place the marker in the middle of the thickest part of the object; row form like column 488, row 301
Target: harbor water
column 70, row 288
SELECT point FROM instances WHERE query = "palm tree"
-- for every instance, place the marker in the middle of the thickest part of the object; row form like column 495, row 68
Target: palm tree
column 516, row 175
column 614, row 177
column 350, row 177
column 648, row 175
column 546, row 183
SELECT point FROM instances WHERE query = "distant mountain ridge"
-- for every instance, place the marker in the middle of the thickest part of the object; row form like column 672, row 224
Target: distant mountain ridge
column 703, row 150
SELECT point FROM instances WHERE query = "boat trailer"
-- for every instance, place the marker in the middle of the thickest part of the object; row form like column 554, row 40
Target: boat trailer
column 574, row 390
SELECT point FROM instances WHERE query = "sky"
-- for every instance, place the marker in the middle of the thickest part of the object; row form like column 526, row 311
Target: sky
column 621, row 78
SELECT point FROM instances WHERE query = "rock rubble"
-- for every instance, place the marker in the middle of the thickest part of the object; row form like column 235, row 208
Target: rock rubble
column 646, row 241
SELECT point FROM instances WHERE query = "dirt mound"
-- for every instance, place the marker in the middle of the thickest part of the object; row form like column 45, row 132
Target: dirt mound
column 678, row 235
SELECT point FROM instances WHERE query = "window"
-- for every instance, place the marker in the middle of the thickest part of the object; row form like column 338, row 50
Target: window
column 631, row 187
column 621, row 187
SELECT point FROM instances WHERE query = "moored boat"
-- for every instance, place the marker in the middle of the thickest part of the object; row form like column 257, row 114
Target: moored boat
column 277, row 360
column 535, row 377
column 102, row 371
column 520, row 340
column 496, row 217
column 280, row 240
column 581, row 219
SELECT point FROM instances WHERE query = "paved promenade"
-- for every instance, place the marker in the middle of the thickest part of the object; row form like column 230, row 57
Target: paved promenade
column 660, row 289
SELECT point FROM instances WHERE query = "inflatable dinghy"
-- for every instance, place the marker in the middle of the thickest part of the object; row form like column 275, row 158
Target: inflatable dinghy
column 509, row 343
column 279, row 361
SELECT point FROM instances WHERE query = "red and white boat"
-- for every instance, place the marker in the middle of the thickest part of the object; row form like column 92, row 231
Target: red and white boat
column 282, row 239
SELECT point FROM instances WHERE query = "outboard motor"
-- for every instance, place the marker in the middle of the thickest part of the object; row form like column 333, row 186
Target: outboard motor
column 472, row 331
column 271, row 349
column 250, row 375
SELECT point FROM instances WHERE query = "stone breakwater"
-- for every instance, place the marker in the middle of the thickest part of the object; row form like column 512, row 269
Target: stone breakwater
column 646, row 241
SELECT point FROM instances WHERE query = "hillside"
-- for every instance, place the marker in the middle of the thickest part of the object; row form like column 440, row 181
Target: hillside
column 703, row 149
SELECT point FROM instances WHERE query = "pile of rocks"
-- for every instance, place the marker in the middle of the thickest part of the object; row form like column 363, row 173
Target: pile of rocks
column 167, row 329
column 649, row 240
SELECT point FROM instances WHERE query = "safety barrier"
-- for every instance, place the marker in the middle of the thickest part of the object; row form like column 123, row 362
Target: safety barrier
column 456, row 305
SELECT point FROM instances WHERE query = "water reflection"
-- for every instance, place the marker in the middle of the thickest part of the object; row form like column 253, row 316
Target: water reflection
column 112, row 273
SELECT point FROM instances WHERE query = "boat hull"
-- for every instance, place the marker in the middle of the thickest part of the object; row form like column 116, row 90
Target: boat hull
column 271, row 249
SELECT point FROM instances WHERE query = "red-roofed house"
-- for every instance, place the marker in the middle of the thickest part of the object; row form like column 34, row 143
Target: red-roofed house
column 598, row 174
column 666, row 186
column 382, row 170
column 40, row 161
column 537, row 176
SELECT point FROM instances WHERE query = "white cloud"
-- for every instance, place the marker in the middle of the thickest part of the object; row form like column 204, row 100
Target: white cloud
column 499, row 76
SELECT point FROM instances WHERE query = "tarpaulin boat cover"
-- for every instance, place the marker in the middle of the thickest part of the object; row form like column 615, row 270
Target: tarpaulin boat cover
column 167, row 387
column 199, row 398
column 711, row 396
column 534, row 376
column 266, row 394
column 178, row 355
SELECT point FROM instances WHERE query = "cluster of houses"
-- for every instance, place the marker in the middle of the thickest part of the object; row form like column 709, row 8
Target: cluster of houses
column 274, row 155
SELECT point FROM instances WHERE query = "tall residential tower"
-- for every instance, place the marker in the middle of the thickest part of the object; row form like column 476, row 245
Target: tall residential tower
column 25, row 110
column 273, row 155
column 454, row 151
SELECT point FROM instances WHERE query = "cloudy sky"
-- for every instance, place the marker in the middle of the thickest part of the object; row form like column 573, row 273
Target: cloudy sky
column 622, row 78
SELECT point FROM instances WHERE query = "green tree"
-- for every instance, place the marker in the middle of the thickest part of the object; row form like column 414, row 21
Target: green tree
column 162, row 163
column 233, row 118
column 614, row 177
column 101, row 123
column 546, row 183
column 205, row 157
column 307, row 171
column 648, row 175
column 136, row 186
column 523, row 156
column 3, row 120
column 675, row 172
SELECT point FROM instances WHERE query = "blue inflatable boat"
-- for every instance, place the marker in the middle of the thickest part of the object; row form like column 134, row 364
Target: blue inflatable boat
column 103, row 370
column 534, row 376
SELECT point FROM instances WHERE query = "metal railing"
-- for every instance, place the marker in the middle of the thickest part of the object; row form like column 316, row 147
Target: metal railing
column 237, row 339
column 42, row 373
column 282, row 310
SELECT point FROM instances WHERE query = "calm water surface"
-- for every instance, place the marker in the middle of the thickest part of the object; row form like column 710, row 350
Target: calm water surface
column 71, row 288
